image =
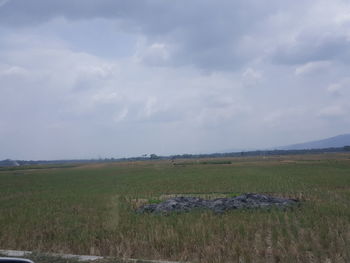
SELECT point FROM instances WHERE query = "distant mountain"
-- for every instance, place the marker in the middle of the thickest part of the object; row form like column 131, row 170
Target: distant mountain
column 333, row 142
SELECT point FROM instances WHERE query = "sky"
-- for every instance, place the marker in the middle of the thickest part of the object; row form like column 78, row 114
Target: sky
column 117, row 78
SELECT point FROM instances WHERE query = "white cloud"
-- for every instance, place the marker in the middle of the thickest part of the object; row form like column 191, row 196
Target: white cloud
column 157, row 54
column 312, row 68
column 120, row 116
column 332, row 111
column 251, row 77
column 286, row 115
column 337, row 87
column 149, row 108
column 3, row 2
column 343, row 18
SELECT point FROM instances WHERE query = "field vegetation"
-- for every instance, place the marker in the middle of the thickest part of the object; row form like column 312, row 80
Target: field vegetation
column 89, row 209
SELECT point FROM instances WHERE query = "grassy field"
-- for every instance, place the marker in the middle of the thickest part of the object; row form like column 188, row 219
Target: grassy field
column 89, row 209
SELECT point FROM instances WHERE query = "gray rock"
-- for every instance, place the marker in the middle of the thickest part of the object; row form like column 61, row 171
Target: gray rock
column 219, row 205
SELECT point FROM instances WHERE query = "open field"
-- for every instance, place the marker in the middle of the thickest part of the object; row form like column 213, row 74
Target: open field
column 88, row 209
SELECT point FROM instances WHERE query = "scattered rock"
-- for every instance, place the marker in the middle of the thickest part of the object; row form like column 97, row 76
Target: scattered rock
column 218, row 205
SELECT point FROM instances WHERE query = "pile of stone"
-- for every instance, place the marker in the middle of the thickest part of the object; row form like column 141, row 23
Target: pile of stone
column 218, row 205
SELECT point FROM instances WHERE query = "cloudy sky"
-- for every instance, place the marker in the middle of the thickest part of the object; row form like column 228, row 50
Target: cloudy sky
column 115, row 78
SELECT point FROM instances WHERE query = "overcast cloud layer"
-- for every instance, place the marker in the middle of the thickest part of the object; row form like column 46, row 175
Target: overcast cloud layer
column 114, row 78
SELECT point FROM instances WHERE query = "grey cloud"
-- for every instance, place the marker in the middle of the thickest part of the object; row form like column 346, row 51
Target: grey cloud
column 3, row 2
column 206, row 34
column 272, row 76
column 308, row 48
column 25, row 13
column 157, row 16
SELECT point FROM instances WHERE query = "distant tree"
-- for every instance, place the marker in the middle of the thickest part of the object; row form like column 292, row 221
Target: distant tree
column 187, row 156
column 346, row 148
column 153, row 156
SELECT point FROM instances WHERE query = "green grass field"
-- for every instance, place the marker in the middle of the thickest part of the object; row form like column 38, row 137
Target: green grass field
column 89, row 209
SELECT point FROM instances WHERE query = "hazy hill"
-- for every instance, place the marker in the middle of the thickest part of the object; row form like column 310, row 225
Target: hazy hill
column 337, row 141
column 8, row 162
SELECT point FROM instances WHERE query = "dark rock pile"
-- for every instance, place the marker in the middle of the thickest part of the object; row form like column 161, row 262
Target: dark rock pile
column 219, row 205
